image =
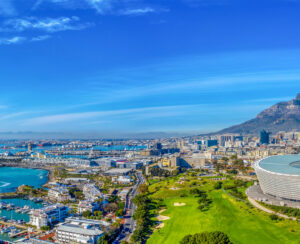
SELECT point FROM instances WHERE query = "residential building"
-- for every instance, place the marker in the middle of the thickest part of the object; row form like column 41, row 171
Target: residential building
column 76, row 230
column 124, row 179
column 88, row 206
column 48, row 215
column 91, row 192
column 59, row 194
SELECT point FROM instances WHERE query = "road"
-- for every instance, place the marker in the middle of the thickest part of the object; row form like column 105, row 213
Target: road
column 130, row 223
column 257, row 205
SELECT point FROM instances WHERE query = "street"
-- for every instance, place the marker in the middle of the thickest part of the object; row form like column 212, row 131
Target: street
column 130, row 223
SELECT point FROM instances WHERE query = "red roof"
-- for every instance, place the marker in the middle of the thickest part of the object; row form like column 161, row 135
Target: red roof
column 46, row 237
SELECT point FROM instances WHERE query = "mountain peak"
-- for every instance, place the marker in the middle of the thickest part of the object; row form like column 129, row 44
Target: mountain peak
column 283, row 116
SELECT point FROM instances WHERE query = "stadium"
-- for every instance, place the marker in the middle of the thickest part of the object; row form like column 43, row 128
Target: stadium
column 279, row 176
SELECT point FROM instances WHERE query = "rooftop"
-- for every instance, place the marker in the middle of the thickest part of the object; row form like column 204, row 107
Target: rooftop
column 81, row 226
column 282, row 164
column 117, row 171
column 73, row 228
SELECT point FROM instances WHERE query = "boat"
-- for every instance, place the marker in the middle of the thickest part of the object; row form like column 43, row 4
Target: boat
column 26, row 207
column 5, row 230
column 2, row 205
column 13, row 232
column 37, row 200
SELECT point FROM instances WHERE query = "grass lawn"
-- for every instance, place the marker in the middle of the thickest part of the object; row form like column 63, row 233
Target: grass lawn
column 240, row 222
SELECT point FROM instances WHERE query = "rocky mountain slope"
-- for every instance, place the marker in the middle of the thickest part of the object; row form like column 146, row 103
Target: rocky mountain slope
column 283, row 116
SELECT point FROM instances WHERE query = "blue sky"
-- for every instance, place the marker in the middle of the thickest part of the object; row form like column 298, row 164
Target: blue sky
column 133, row 66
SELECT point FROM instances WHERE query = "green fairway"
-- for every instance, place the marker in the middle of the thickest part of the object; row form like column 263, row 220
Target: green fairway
column 240, row 222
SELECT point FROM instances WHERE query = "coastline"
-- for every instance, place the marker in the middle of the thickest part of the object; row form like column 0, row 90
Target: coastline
column 15, row 194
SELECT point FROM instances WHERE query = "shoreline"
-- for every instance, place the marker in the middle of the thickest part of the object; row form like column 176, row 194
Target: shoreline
column 15, row 194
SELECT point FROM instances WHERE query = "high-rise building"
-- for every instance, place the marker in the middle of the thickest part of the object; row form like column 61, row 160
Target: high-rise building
column 29, row 147
column 157, row 146
column 264, row 137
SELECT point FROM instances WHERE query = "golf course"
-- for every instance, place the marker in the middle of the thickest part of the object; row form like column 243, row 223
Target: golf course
column 179, row 215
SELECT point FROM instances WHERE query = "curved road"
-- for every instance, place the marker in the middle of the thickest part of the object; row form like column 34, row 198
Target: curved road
column 257, row 205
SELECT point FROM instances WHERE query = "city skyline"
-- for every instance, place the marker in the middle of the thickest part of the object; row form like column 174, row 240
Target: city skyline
column 117, row 67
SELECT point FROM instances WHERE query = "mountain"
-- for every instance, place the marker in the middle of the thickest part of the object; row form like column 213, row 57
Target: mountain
column 283, row 116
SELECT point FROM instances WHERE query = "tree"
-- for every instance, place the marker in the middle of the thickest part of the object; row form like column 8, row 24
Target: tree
column 215, row 237
column 218, row 185
column 45, row 227
column 98, row 214
column 234, row 157
column 119, row 212
column 102, row 240
column 111, row 207
column 225, row 159
column 142, row 189
column 113, row 198
column 86, row 214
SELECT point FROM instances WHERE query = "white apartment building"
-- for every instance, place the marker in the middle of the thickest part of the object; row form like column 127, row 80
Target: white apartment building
column 48, row 215
column 88, row 206
column 75, row 230
column 91, row 192
column 59, row 194
column 124, row 179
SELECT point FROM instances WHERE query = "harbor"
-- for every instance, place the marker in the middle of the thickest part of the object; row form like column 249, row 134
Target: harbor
column 14, row 215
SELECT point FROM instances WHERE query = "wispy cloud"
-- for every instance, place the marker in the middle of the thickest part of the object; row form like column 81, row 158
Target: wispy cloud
column 7, row 8
column 12, row 40
column 138, row 11
column 40, row 38
column 188, row 85
column 14, row 115
column 101, row 6
column 22, row 39
column 67, row 117
column 270, row 100
column 119, row 7
column 44, row 24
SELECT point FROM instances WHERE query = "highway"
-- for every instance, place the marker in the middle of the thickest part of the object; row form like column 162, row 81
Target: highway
column 130, row 223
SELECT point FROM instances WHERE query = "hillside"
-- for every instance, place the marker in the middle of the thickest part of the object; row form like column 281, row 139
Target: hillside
column 283, row 116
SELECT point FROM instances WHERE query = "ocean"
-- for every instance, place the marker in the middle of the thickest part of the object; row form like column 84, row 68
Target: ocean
column 12, row 178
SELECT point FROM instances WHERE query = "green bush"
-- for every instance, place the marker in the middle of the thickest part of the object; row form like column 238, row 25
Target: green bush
column 45, row 228
column 274, row 217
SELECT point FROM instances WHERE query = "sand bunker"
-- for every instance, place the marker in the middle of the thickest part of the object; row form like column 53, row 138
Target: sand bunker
column 162, row 210
column 174, row 188
column 161, row 225
column 179, row 204
column 162, row 217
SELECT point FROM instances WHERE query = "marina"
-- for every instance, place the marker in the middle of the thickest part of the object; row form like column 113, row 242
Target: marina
column 14, row 213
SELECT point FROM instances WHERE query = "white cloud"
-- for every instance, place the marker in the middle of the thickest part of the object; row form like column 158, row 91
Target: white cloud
column 12, row 40
column 13, row 115
column 155, row 111
column 45, row 24
column 101, row 6
column 40, row 38
column 122, row 7
column 7, row 8
column 22, row 39
column 210, row 84
column 138, row 11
